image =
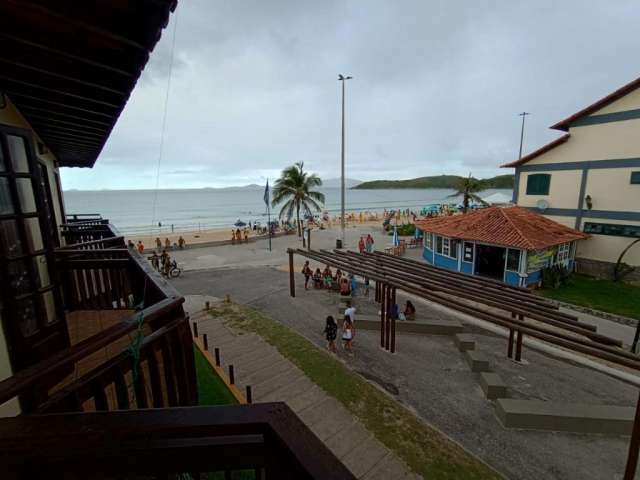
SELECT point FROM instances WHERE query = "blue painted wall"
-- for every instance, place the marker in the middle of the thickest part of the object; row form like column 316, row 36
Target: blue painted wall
column 467, row 267
column 446, row 262
column 534, row 277
column 512, row 278
column 427, row 255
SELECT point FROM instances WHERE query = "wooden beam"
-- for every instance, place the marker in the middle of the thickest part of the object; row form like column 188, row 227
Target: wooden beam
column 19, row 95
column 55, row 115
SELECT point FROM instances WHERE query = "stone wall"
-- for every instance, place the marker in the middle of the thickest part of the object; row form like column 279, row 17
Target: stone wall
column 603, row 270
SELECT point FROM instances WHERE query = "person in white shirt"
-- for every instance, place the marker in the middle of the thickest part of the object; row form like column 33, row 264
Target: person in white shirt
column 351, row 312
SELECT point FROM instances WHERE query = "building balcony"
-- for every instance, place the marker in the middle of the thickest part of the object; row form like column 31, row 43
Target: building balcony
column 122, row 399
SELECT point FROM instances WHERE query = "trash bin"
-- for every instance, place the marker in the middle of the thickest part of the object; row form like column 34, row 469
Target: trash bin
column 338, row 243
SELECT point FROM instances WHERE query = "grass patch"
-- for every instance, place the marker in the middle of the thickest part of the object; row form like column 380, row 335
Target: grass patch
column 211, row 389
column 606, row 295
column 426, row 450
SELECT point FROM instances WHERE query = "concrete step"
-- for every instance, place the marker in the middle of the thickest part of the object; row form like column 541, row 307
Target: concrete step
column 565, row 417
column 365, row 457
column 465, row 341
column 477, row 362
column 492, row 385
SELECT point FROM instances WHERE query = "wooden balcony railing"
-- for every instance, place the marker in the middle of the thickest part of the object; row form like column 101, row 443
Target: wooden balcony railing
column 126, row 418
column 102, row 274
column 263, row 441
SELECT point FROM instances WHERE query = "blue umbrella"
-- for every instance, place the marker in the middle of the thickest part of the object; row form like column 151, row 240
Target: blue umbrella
column 396, row 240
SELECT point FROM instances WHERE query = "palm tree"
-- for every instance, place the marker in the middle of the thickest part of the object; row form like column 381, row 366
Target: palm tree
column 294, row 187
column 468, row 188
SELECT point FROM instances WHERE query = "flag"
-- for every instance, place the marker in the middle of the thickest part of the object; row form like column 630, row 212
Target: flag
column 266, row 193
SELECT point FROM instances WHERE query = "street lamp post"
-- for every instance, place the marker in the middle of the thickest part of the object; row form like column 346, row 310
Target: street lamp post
column 523, row 115
column 342, row 78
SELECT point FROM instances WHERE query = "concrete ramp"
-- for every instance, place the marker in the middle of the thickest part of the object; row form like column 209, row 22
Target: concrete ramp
column 434, row 326
column 565, row 417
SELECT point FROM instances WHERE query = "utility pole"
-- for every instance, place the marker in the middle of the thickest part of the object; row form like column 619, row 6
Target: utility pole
column 523, row 115
column 342, row 78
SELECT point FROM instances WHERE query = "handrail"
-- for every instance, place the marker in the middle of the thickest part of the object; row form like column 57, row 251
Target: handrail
column 35, row 374
column 92, row 242
column 267, row 435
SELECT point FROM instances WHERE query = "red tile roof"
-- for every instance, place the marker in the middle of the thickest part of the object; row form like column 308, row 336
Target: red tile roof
column 540, row 151
column 511, row 227
column 603, row 102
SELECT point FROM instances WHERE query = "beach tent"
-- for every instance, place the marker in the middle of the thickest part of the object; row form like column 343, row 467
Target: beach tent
column 497, row 198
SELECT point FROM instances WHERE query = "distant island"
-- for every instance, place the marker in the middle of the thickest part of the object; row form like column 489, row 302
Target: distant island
column 438, row 181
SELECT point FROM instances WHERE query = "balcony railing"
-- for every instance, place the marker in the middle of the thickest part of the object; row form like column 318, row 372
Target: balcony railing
column 126, row 418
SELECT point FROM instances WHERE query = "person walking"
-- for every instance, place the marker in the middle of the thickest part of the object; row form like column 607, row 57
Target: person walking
column 347, row 334
column 306, row 271
column 158, row 244
column 140, row 246
column 350, row 312
column 361, row 245
column 331, row 332
column 369, row 243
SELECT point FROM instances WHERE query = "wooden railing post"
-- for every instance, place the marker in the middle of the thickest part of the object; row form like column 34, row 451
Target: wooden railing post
column 519, row 341
column 388, row 318
column 249, row 395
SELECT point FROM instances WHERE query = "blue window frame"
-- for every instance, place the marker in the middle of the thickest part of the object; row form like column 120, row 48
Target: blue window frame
column 538, row 184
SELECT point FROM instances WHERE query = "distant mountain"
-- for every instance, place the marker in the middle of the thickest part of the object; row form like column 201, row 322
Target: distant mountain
column 439, row 181
column 335, row 182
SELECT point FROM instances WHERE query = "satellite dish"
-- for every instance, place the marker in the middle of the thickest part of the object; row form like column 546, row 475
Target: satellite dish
column 542, row 205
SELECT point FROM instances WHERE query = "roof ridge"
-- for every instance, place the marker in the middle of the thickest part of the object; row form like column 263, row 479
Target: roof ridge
column 526, row 240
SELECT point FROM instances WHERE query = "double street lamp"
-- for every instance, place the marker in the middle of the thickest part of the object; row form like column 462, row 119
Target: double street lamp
column 342, row 78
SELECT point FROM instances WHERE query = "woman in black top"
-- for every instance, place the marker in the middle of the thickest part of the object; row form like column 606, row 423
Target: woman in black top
column 331, row 332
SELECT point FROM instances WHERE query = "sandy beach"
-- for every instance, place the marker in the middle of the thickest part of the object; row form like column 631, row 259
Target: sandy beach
column 211, row 236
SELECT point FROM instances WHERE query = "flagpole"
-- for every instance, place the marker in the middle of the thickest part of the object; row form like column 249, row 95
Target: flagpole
column 268, row 201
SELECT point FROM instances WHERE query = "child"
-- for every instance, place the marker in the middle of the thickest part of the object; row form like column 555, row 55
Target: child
column 347, row 333
column 331, row 332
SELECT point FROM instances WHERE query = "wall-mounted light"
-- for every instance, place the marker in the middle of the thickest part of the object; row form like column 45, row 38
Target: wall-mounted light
column 588, row 201
column 3, row 100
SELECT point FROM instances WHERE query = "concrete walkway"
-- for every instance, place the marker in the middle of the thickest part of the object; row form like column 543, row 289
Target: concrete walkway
column 273, row 378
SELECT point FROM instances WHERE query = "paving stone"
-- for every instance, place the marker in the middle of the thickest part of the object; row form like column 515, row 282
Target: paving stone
column 465, row 341
column 492, row 385
column 286, row 392
column 347, row 440
column 477, row 362
column 391, row 468
column 286, row 378
column 365, row 457
column 312, row 397
column 332, row 423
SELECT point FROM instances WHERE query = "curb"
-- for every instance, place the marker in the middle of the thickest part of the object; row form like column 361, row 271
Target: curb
column 632, row 322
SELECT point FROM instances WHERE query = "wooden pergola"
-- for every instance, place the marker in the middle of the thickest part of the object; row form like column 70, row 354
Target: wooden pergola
column 514, row 308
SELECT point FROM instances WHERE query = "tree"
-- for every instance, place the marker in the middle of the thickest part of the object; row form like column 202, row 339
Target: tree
column 295, row 188
column 621, row 269
column 468, row 188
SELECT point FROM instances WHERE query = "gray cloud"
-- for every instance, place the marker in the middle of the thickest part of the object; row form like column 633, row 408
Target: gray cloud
column 437, row 87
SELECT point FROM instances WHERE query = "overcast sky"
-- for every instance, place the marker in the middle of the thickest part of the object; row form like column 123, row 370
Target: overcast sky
column 437, row 88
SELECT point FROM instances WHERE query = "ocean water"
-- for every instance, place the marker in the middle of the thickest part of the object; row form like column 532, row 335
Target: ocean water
column 132, row 211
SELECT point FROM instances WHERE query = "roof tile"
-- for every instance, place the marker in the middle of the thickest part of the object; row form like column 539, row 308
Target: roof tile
column 511, row 227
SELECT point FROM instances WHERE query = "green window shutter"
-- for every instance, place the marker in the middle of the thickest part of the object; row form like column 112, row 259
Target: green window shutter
column 538, row 184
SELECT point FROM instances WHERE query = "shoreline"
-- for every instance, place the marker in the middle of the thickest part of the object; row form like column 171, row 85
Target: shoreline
column 222, row 236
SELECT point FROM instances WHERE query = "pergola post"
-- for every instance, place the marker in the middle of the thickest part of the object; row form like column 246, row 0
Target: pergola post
column 388, row 317
column 393, row 322
column 292, row 283
column 519, row 342
column 381, row 294
column 634, row 444
column 511, row 339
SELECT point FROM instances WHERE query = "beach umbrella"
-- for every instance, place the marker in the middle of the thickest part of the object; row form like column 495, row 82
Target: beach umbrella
column 239, row 224
column 396, row 240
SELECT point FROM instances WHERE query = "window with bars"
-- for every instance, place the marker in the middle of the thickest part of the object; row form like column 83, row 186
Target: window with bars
column 564, row 251
column 538, row 184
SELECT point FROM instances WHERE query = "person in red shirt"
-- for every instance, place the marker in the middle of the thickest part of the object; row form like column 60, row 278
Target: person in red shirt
column 361, row 245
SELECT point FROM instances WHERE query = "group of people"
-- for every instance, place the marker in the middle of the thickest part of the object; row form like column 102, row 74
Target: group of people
column 348, row 330
column 338, row 282
column 236, row 236
column 167, row 245
column 366, row 244
column 163, row 262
